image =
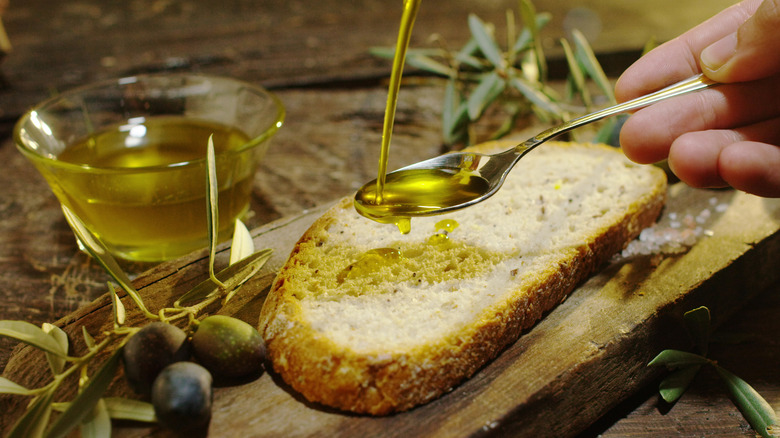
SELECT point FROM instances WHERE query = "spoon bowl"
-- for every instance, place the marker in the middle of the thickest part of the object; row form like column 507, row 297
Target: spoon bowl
column 458, row 180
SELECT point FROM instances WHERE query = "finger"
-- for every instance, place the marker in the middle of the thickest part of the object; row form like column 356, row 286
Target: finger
column 647, row 134
column 746, row 158
column 750, row 52
column 752, row 167
column 694, row 157
column 678, row 58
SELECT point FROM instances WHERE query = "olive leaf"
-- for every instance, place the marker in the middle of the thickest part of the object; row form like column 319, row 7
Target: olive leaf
column 212, row 207
column 487, row 44
column 241, row 248
column 32, row 335
column 33, row 423
column 56, row 362
column 490, row 87
column 697, row 321
column 427, row 63
column 528, row 13
column 576, row 77
column 100, row 253
column 120, row 408
column 526, row 36
column 587, row 59
column 118, row 307
column 534, row 95
column 454, row 114
column 756, row 410
column 242, row 245
column 89, row 341
column 233, row 276
column 129, row 409
column 97, row 424
column 83, row 404
column 513, row 111
column 466, row 56
column 678, row 358
column 422, row 59
column 674, row 385
column 11, row 387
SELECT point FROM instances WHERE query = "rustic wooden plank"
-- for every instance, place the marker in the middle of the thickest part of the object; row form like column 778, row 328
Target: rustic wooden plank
column 578, row 362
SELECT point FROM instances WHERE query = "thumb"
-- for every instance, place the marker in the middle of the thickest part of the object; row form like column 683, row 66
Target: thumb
column 749, row 53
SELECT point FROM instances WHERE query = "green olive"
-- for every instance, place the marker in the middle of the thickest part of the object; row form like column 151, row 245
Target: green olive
column 228, row 347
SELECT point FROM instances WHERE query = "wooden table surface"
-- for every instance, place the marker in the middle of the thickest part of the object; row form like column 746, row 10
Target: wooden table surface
column 314, row 56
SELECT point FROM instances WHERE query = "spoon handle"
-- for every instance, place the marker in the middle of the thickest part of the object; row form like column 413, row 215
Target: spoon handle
column 694, row 83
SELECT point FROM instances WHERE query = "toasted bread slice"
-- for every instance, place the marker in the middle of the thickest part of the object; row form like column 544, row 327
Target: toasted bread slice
column 365, row 319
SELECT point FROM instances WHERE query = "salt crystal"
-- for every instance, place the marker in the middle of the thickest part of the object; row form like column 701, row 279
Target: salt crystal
column 721, row 208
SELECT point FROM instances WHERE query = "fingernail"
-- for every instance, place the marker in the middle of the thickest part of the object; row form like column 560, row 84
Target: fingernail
column 718, row 53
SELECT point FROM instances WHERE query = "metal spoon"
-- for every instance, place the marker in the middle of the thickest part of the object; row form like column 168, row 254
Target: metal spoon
column 457, row 180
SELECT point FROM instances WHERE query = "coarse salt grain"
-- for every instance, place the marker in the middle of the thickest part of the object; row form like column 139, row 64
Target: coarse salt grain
column 675, row 233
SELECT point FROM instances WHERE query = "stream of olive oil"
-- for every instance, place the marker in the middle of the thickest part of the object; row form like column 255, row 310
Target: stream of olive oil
column 399, row 196
column 149, row 212
column 404, row 35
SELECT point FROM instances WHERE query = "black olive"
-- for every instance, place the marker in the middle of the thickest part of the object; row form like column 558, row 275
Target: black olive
column 182, row 396
column 151, row 349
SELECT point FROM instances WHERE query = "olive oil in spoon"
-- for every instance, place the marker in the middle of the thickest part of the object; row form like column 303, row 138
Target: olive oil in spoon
column 458, row 180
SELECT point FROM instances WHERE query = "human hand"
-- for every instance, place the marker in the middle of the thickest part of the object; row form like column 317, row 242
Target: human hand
column 725, row 136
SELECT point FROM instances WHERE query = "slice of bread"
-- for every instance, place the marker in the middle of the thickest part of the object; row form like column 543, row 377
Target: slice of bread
column 365, row 319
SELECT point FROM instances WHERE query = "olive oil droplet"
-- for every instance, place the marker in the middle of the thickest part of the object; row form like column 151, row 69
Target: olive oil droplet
column 370, row 262
column 443, row 229
column 447, row 225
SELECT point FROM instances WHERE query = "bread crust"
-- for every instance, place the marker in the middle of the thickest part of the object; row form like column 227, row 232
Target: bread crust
column 336, row 376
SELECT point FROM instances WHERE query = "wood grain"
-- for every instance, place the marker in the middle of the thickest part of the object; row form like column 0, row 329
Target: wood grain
column 582, row 359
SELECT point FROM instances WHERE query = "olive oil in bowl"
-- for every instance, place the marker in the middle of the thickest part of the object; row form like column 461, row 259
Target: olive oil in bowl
column 142, row 187
column 128, row 156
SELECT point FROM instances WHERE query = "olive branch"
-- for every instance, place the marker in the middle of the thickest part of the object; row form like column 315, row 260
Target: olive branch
column 686, row 365
column 89, row 409
column 513, row 79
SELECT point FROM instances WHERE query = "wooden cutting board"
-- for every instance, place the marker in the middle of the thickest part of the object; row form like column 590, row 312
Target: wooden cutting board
column 582, row 359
